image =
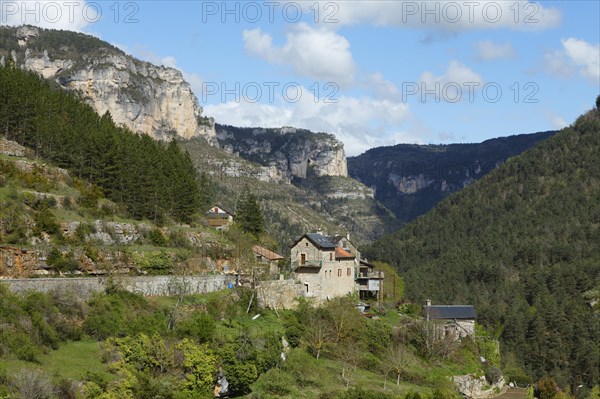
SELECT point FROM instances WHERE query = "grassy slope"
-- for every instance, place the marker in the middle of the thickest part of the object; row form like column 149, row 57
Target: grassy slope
column 75, row 360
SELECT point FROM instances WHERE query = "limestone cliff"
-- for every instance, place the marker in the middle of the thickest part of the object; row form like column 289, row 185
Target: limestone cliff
column 293, row 152
column 149, row 99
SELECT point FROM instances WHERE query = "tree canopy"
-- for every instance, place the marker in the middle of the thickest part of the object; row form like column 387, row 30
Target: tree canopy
column 149, row 178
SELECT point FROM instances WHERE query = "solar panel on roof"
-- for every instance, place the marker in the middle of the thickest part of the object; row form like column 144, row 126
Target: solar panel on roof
column 320, row 240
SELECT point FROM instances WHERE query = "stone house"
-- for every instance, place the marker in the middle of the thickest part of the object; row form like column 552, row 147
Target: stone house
column 219, row 218
column 267, row 257
column 455, row 321
column 325, row 268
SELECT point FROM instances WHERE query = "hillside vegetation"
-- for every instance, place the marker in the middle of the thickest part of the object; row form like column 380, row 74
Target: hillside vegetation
column 332, row 203
column 149, row 179
column 522, row 245
column 410, row 179
column 121, row 345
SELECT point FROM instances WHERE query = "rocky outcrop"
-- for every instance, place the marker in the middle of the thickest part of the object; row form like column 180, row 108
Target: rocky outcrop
column 477, row 387
column 146, row 98
column 293, row 152
column 12, row 149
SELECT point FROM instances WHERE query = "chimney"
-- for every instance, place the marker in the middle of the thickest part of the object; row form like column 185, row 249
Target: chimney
column 428, row 302
column 348, row 236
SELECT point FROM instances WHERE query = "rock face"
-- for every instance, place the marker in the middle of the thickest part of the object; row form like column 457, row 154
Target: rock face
column 146, row 98
column 12, row 148
column 412, row 179
column 293, row 152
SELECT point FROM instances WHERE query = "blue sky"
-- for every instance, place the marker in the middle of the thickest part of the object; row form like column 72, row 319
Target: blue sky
column 371, row 72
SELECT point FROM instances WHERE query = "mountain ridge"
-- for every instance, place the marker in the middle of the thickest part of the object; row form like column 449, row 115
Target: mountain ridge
column 410, row 179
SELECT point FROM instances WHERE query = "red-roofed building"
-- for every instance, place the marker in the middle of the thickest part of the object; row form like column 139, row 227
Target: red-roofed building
column 263, row 255
column 327, row 266
column 219, row 218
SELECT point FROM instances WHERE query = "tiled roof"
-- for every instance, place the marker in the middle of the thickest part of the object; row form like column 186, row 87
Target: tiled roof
column 320, row 240
column 212, row 212
column 264, row 252
column 343, row 254
column 451, row 312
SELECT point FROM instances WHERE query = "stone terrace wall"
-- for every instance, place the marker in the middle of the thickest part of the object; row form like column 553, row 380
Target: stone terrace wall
column 145, row 285
column 279, row 294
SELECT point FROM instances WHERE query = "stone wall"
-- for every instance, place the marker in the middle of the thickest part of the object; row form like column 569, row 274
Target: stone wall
column 145, row 285
column 279, row 294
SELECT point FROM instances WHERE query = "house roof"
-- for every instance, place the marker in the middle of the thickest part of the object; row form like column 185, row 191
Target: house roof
column 264, row 252
column 365, row 263
column 450, row 312
column 336, row 239
column 343, row 254
column 319, row 240
column 211, row 212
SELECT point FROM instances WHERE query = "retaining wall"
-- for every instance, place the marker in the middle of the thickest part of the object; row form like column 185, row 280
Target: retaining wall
column 144, row 285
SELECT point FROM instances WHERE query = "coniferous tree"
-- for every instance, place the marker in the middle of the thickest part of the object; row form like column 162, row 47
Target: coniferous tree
column 249, row 215
column 150, row 179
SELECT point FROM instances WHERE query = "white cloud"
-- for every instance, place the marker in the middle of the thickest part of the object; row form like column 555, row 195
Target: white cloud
column 313, row 52
column 443, row 15
column 382, row 89
column 576, row 55
column 454, row 85
column 584, row 55
column 72, row 15
column 558, row 122
column 489, row 51
column 361, row 123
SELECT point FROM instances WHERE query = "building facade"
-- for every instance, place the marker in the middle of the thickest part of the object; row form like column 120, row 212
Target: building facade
column 219, row 218
column 455, row 321
column 325, row 269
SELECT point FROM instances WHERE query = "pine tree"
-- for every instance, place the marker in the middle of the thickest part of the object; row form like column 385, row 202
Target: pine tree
column 249, row 215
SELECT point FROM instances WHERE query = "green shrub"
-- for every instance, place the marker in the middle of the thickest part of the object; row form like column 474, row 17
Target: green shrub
column 199, row 326
column 83, row 230
column 276, row 382
column 493, row 375
column 157, row 238
column 518, row 376
column 156, row 262
column 62, row 263
column 45, row 221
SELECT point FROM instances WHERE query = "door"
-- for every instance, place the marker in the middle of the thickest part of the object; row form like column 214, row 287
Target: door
column 302, row 259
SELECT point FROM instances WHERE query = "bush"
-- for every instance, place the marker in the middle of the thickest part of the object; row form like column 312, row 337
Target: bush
column 358, row 393
column 157, row 238
column 276, row 382
column 60, row 262
column 518, row 376
column 199, row 326
column 83, row 230
column 46, row 222
column 32, row 384
column 493, row 375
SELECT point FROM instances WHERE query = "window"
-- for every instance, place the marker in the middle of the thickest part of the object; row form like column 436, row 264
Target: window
column 331, row 256
column 339, row 272
column 302, row 259
column 307, row 244
column 349, row 273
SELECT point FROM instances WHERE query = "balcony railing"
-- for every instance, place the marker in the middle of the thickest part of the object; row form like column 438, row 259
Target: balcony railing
column 307, row 263
column 370, row 275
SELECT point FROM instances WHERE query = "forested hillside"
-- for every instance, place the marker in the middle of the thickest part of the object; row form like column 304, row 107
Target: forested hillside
column 150, row 179
column 410, row 179
column 522, row 245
